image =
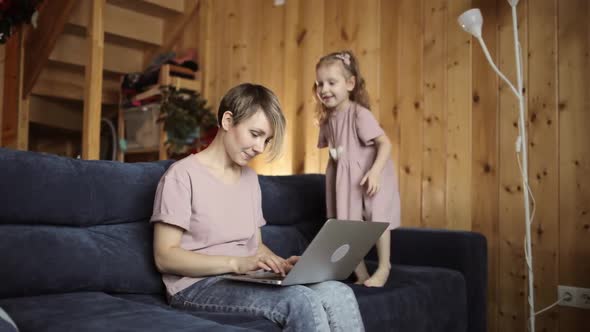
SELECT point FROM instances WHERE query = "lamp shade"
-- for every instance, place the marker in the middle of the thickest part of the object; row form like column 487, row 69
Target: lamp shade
column 471, row 21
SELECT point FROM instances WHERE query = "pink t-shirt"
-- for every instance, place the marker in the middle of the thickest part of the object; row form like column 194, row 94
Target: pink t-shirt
column 217, row 218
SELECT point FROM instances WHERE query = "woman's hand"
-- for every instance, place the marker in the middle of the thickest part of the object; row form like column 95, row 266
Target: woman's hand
column 371, row 179
column 266, row 261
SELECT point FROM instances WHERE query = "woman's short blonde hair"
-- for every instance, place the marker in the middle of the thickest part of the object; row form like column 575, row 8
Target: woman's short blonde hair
column 244, row 100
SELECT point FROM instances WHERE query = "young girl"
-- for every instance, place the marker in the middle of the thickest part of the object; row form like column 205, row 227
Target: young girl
column 360, row 180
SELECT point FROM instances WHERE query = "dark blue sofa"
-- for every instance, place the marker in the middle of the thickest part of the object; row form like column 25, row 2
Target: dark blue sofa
column 76, row 250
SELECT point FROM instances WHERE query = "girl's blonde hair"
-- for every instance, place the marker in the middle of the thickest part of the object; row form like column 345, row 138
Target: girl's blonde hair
column 350, row 64
column 245, row 100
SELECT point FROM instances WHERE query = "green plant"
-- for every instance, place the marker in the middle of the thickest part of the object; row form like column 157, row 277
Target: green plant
column 185, row 116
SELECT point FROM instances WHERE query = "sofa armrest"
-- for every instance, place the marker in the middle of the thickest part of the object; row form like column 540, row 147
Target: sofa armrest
column 462, row 251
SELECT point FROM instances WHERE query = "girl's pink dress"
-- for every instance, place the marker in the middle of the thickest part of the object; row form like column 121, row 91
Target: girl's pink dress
column 349, row 134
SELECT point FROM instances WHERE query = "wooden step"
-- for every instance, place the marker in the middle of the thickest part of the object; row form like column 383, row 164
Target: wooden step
column 122, row 22
column 73, row 49
column 67, row 82
column 53, row 113
column 155, row 8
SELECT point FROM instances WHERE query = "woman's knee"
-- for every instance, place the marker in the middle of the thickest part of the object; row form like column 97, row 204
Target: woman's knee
column 303, row 302
column 335, row 289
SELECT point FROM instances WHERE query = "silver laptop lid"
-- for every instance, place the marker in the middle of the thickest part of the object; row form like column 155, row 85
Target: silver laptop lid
column 335, row 251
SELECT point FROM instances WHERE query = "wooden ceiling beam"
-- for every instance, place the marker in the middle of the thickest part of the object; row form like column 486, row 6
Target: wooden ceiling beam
column 53, row 16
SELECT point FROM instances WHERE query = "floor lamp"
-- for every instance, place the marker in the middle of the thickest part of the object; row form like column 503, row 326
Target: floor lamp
column 472, row 21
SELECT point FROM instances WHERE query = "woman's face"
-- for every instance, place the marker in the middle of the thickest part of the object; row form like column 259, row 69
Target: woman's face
column 248, row 138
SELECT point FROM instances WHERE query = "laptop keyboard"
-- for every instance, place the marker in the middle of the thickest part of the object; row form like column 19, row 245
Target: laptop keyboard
column 266, row 275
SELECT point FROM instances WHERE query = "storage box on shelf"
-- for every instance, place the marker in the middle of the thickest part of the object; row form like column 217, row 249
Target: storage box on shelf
column 138, row 124
column 142, row 131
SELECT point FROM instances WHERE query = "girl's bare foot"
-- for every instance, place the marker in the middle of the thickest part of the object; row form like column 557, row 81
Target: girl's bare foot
column 378, row 279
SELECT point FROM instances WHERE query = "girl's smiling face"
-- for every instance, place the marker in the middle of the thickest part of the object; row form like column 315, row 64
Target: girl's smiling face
column 333, row 87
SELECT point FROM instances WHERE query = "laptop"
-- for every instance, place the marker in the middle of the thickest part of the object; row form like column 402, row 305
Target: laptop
column 333, row 254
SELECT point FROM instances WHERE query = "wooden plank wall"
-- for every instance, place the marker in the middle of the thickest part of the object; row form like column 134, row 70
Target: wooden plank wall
column 451, row 120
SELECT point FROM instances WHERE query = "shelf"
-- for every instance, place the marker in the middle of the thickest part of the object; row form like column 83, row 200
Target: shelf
column 177, row 77
column 155, row 149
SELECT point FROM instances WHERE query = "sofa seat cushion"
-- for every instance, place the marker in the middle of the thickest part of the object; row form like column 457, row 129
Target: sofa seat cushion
column 245, row 321
column 415, row 299
column 95, row 311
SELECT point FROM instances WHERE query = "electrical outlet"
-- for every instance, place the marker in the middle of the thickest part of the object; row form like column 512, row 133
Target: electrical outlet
column 567, row 294
column 576, row 297
column 582, row 299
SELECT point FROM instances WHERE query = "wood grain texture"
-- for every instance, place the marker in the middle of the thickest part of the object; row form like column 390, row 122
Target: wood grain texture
column 435, row 110
column 451, row 122
column 459, row 121
column 543, row 155
column 574, row 154
column 312, row 48
column 485, row 149
column 411, row 106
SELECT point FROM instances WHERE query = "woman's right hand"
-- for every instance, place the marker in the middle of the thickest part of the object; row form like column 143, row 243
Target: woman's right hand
column 267, row 262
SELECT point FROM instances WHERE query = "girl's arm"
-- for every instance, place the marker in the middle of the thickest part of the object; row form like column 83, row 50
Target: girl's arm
column 170, row 258
column 383, row 146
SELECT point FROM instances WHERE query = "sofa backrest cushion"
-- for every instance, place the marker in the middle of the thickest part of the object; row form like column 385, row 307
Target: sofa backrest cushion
column 46, row 189
column 71, row 225
column 43, row 259
column 293, row 199
column 78, row 225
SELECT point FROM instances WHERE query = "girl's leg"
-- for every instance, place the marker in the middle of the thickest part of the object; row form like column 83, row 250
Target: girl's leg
column 361, row 273
column 340, row 304
column 379, row 277
column 294, row 308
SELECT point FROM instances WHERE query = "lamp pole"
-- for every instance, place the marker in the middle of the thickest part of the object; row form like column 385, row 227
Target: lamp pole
column 472, row 21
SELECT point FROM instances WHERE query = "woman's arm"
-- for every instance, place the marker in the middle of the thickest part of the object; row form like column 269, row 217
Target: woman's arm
column 383, row 146
column 170, row 258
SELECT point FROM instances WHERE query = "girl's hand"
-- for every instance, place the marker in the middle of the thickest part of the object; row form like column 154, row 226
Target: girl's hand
column 371, row 179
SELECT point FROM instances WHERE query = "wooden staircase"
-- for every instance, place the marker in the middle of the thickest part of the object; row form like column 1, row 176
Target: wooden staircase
column 76, row 57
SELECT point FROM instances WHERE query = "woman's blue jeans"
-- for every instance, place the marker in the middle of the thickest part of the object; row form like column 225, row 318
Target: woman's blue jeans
column 325, row 306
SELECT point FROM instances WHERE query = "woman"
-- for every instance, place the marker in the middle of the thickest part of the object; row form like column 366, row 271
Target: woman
column 208, row 214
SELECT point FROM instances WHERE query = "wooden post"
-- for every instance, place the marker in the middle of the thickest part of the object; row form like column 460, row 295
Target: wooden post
column 40, row 42
column 93, row 89
column 120, row 132
column 15, row 115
